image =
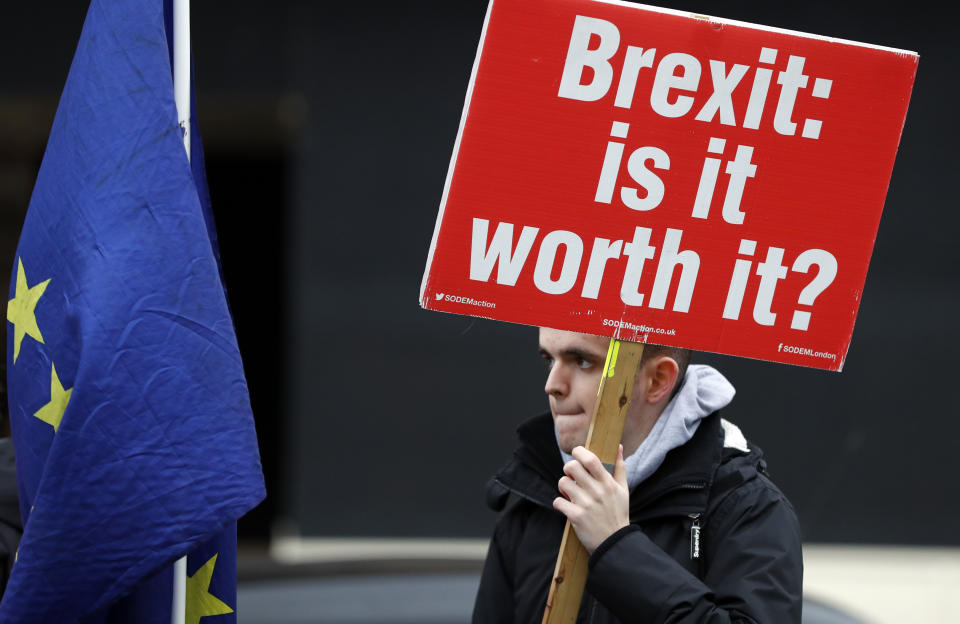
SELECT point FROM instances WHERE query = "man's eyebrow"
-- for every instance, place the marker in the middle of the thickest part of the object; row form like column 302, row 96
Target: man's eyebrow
column 587, row 355
column 574, row 352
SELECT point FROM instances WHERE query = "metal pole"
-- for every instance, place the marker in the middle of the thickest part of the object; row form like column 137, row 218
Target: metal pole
column 181, row 67
column 181, row 95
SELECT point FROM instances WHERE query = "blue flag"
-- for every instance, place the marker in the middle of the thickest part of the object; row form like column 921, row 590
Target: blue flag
column 134, row 437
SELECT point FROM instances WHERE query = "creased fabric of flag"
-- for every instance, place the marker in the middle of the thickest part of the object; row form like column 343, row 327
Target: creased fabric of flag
column 134, row 438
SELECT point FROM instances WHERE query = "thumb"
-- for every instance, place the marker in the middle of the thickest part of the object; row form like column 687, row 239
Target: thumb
column 620, row 468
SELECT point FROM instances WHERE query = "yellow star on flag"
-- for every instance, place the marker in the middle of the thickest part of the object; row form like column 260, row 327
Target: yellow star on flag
column 200, row 602
column 20, row 310
column 52, row 412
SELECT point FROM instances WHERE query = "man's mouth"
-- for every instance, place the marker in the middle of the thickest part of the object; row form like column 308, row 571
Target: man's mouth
column 570, row 416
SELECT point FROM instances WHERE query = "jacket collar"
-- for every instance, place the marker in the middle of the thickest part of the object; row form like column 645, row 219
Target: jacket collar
column 679, row 486
column 682, row 482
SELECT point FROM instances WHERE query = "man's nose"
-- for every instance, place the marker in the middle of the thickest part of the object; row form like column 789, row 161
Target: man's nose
column 557, row 383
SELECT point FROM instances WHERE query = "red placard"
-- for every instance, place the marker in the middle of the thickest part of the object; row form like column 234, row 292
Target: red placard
column 670, row 178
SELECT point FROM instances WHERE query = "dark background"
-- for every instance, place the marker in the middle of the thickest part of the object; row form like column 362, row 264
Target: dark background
column 328, row 134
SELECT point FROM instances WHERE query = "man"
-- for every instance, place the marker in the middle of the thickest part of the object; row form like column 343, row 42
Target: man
column 687, row 529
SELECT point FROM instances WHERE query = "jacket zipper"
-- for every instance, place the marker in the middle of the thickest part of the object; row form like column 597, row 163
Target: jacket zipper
column 695, row 536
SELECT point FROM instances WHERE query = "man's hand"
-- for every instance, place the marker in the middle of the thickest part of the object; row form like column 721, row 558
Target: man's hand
column 599, row 504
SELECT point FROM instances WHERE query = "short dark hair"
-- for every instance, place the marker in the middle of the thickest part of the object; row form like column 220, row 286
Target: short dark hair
column 679, row 355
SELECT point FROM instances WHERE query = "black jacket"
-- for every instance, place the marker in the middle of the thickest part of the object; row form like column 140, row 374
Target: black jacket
column 746, row 565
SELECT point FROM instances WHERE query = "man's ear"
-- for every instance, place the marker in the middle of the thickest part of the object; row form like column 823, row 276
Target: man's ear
column 661, row 373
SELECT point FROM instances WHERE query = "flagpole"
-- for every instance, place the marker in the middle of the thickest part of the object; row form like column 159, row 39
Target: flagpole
column 181, row 95
column 181, row 67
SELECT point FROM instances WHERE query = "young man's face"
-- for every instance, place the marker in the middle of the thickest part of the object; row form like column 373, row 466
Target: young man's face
column 575, row 364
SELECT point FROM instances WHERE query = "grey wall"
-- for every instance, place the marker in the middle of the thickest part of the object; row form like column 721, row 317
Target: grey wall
column 328, row 133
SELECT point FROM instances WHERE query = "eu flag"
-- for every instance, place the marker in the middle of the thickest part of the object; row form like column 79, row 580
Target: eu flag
column 134, row 438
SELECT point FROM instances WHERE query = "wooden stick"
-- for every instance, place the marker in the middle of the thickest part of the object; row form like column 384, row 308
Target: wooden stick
column 603, row 438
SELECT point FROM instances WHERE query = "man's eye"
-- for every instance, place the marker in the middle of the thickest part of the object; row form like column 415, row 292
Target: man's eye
column 584, row 364
column 548, row 361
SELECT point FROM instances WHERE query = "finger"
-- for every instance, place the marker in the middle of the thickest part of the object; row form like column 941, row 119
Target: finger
column 565, row 507
column 575, row 470
column 573, row 491
column 620, row 468
column 590, row 461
